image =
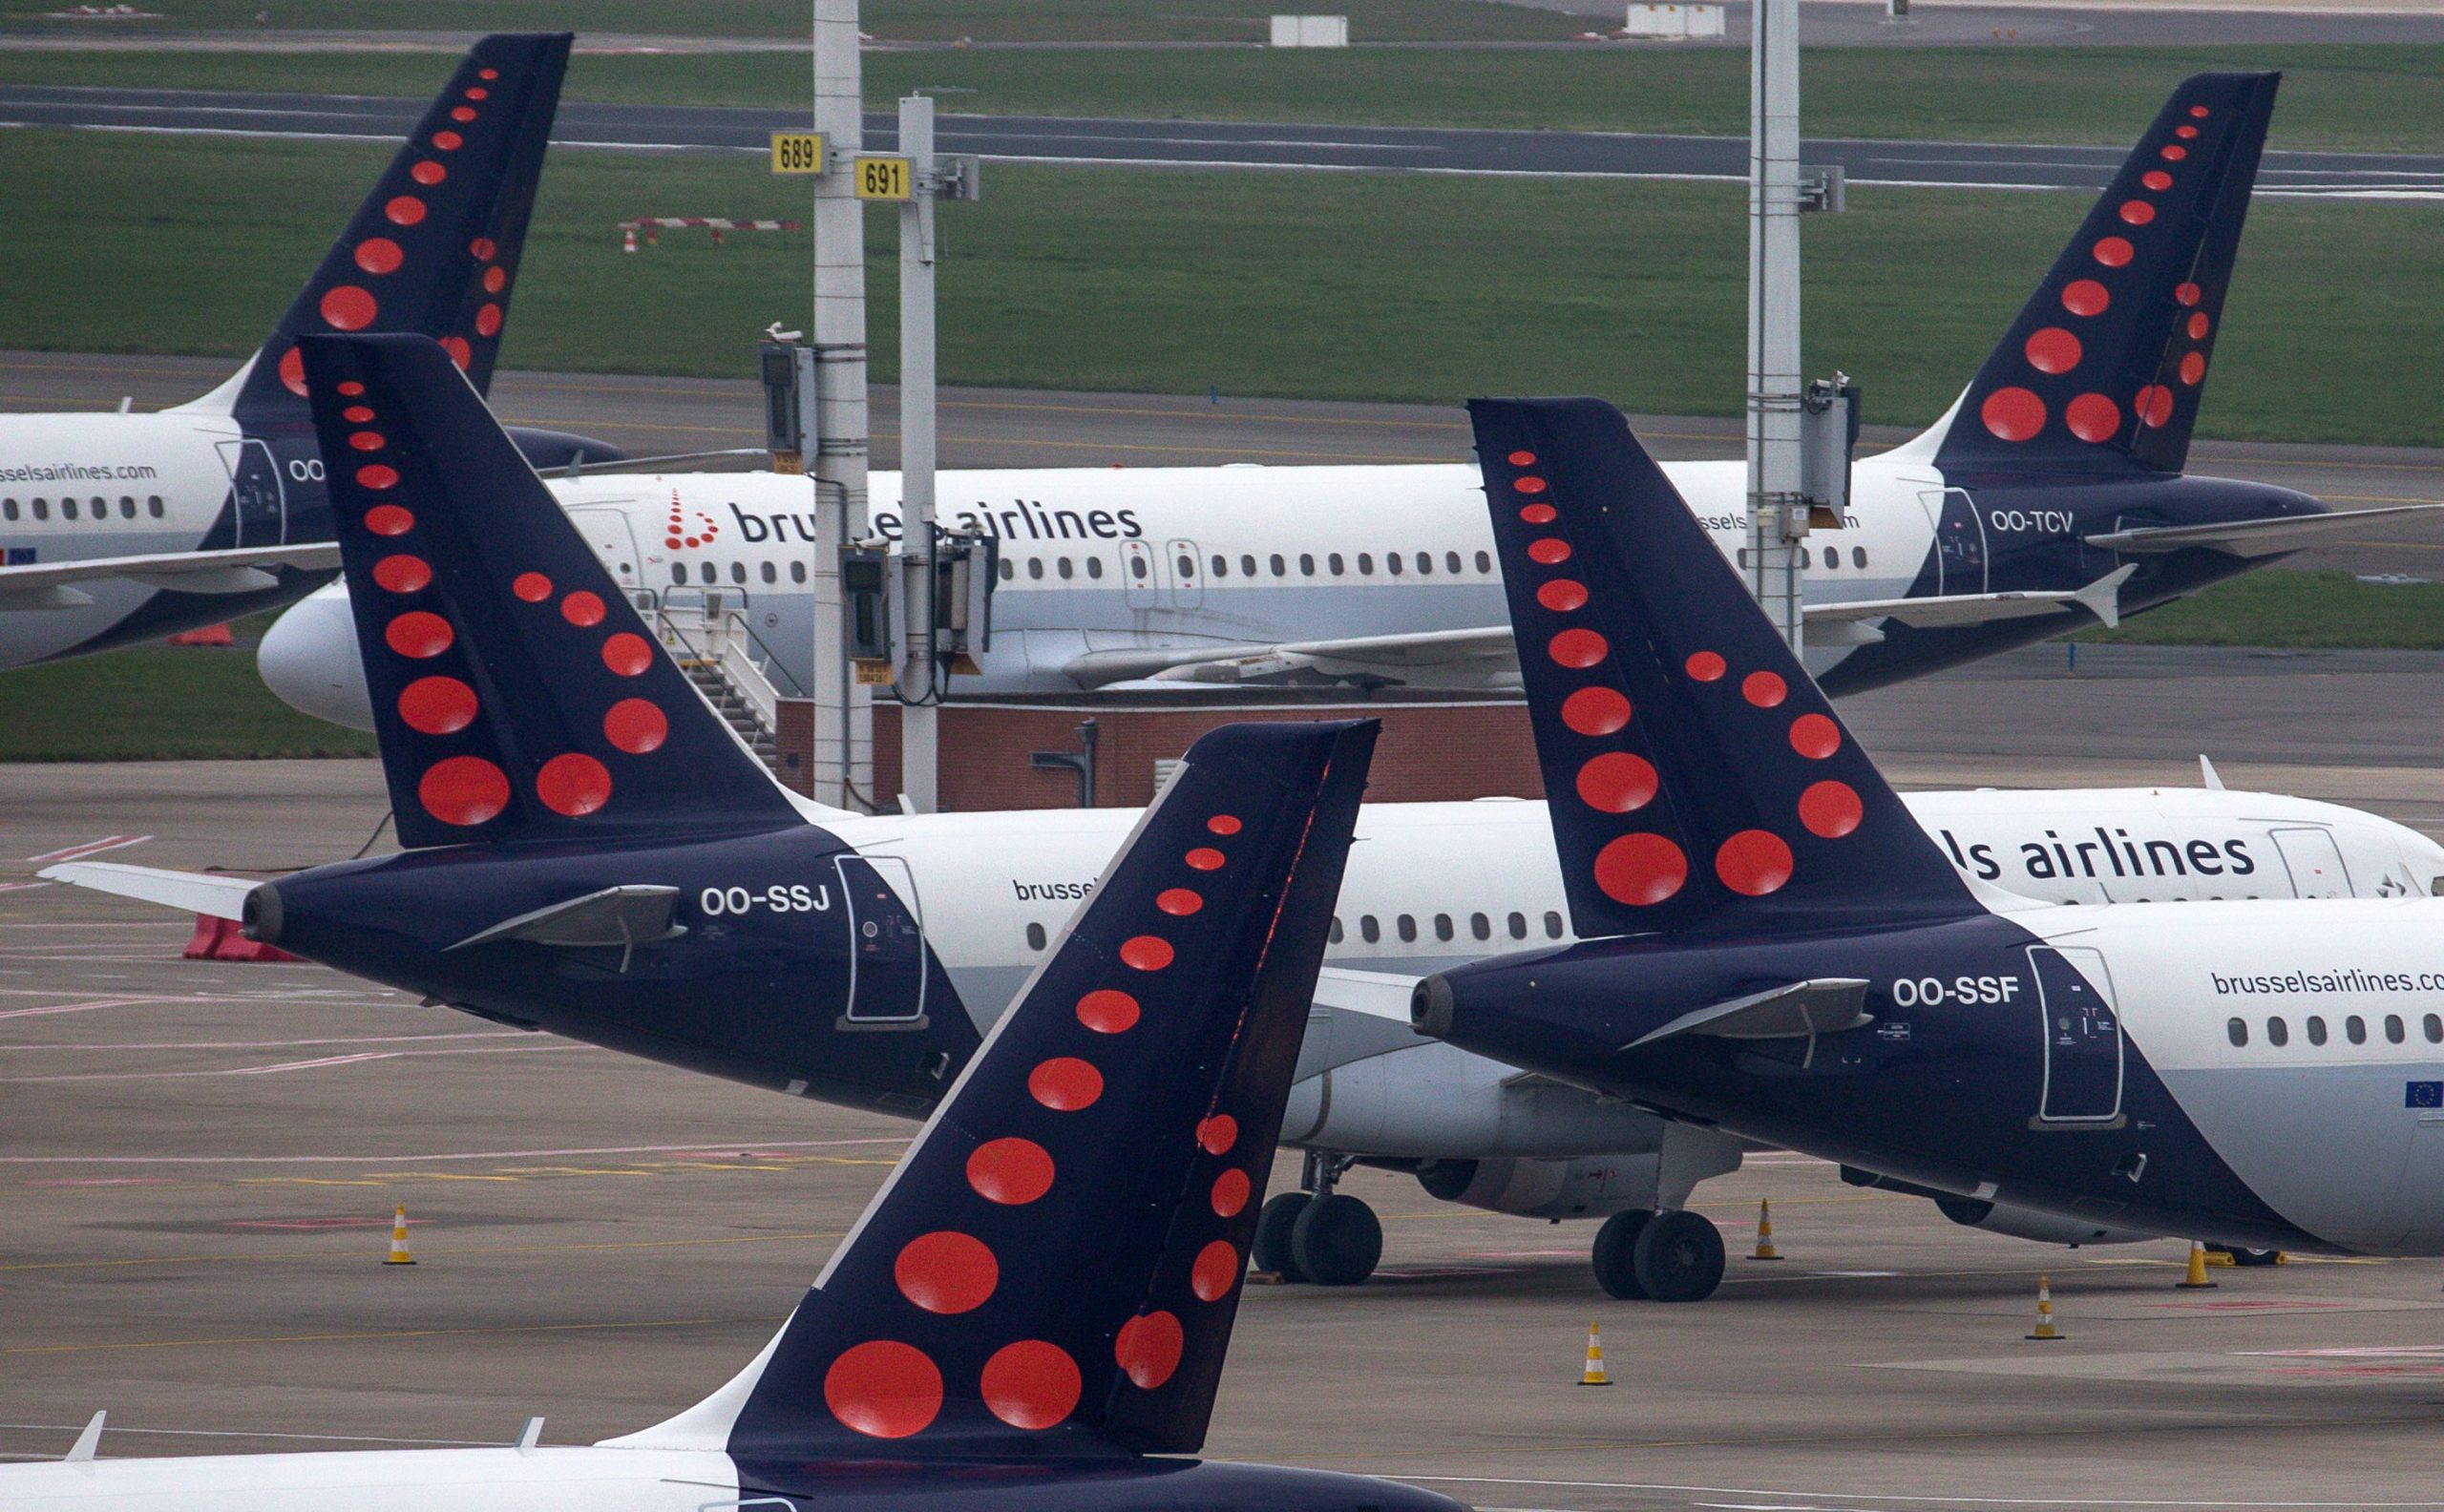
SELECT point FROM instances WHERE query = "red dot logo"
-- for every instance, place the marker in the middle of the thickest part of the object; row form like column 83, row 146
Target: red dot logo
column 1764, row 690
column 1707, row 667
column 488, row 74
column 482, row 249
column 496, row 280
column 1215, row 1272
column 1596, row 711
column 448, row 141
column 462, row 113
column 1815, row 736
column 1012, row 1172
column 1108, row 1010
column 1178, row 902
column 1230, row 1193
column 2188, row 294
column 2085, row 297
column 1753, row 862
column 1540, row 514
column 356, row 415
column 366, row 440
column 458, row 349
column 1640, row 869
column 479, row 93
column 884, row 1390
column 572, row 785
column 1224, row 824
column 1216, row 1135
column 2137, row 212
column 488, row 319
column 404, row 210
column 377, row 475
column 1830, row 810
column 1529, row 485
column 349, row 307
column 1205, row 858
column 2014, row 414
column 2154, row 405
column 379, row 255
column 2093, row 417
column 427, row 173
column 2198, row 326
column 1561, row 595
column 463, row 791
column 2157, row 179
column 636, row 725
column 419, row 635
column 1523, row 459
column 1066, row 1084
column 1578, row 649
column 388, row 519
column 292, row 370
column 2198, row 112
column 1549, row 552
column 1616, row 782
column 582, row 608
column 1145, row 952
column 1149, row 1349
column 628, row 655
column 2115, row 252
column 1030, row 1385
column 945, row 1272
column 532, row 587
column 402, row 574
column 2193, row 368
column 351, row 388
column 437, row 705
column 2173, row 152
column 2054, row 351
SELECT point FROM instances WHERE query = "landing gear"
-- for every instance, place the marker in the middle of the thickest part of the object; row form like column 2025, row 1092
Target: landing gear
column 1658, row 1257
column 1319, row 1235
column 1275, row 1221
column 1616, row 1256
column 2252, row 1257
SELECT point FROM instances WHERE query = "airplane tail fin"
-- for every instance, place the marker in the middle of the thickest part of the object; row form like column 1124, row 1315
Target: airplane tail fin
column 516, row 693
column 1692, row 768
column 1054, row 1266
column 2104, row 367
column 433, row 250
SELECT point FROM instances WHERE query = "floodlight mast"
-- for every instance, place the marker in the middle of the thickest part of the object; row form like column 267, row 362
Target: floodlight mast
column 918, row 718
column 835, row 408
column 1778, row 514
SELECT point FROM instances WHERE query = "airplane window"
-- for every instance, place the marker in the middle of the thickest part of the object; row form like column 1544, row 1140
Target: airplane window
column 2238, row 1031
column 2355, row 1029
column 1424, row 563
column 152, row 505
column 101, row 509
column 42, row 509
column 1331, row 561
column 1307, row 569
column 1247, row 566
column 126, row 507
column 2434, row 1028
column 68, row 507
column 1858, row 557
column 1035, row 935
column 679, row 572
column 2277, row 1032
column 1485, row 561
column 1366, row 564
column 1280, row 568
column 738, row 572
column 1479, row 925
column 1136, row 568
column 1061, row 567
column 2394, row 1033
column 1518, row 926
column 1369, row 928
column 1451, row 562
column 1552, row 926
column 1009, row 569
column 2316, row 1029
column 1832, row 555
column 1743, row 559
column 1443, row 930
column 1094, row 567
column 1188, row 565
column 771, row 573
column 1407, row 928
column 797, row 572
column 1035, row 567
column 1221, row 565
column 1391, row 562
column 7, row 509
column 1338, row 934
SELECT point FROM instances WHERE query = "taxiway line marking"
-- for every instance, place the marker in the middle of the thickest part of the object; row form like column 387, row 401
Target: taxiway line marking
column 90, row 848
column 359, row 1256
column 698, row 1147
column 385, row 1333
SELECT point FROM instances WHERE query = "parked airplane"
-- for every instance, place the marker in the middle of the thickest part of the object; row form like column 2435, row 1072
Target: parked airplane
column 1038, row 1302
column 120, row 528
column 1769, row 945
column 2052, row 496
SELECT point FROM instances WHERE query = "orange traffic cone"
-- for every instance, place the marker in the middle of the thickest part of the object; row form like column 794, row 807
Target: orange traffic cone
column 399, row 1255
column 2045, row 1329
column 2196, row 1280
column 1593, row 1374
column 1764, row 1249
column 628, row 239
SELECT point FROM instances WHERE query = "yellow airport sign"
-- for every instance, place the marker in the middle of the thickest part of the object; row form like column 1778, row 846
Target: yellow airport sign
column 883, row 178
column 797, row 151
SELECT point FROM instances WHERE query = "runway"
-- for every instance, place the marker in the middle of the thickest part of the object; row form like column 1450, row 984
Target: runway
column 199, row 1161
column 1214, row 144
column 1019, row 428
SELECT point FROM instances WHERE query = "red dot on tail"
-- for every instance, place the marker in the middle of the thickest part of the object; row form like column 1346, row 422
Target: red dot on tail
column 377, row 475
column 1230, row 1193
column 448, row 141
column 946, row 1271
column 1707, row 667
column 1753, row 862
column 1596, row 711
column 2014, row 414
column 2173, row 152
column 462, row 113
column 1217, row 1134
column 2086, row 297
column 572, row 785
column 883, row 1389
column 1561, row 595
column 2115, row 252
column 2188, row 294
column 1216, row 1270
column 427, row 174
column 1178, row 902
column 351, row 388
column 2138, row 212
column 636, row 725
column 496, row 280
column 1145, row 952
column 404, row 210
column 1764, row 690
column 402, row 574
column 627, row 654
column 2157, row 179
column 388, row 519
column 582, row 608
column 463, row 791
column 419, row 635
column 2198, row 326
column 2053, row 350
column 1815, row 736
column 367, row 440
column 1830, row 810
column 488, row 74
column 356, row 415
column 2093, row 417
column 1108, row 1010
column 2186, row 132
column 1065, row 1083
column 458, row 349
column 480, row 92
column 1577, row 649
column 2198, row 112
column 437, row 705
column 2193, row 368
column 1031, row 1384
column 482, row 249
column 348, row 307
column 1523, row 459
column 1205, row 858
column 1616, row 782
column 532, row 587
column 1149, row 1349
column 292, row 370
column 1224, row 824
column 1529, row 485
column 1549, row 552
column 1640, row 869
column 488, row 320
column 1010, row 1171
column 379, row 255
column 1540, row 514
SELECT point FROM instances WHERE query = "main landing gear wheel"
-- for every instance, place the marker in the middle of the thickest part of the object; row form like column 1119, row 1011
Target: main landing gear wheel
column 1274, row 1221
column 1678, row 1257
column 2252, row 1257
column 1335, row 1241
column 1614, row 1255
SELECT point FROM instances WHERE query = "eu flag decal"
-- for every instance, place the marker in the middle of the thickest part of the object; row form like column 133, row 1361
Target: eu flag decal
column 2423, row 1094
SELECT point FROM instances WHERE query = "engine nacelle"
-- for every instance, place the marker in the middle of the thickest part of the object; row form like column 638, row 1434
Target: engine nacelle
column 1432, row 1101
column 1589, row 1187
column 2029, row 1223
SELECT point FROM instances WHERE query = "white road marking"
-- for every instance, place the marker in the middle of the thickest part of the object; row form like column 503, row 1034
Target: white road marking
column 709, row 1148
column 91, row 848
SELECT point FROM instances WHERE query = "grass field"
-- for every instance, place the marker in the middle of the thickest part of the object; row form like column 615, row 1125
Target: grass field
column 2333, row 96
column 2325, row 611
column 160, row 702
column 1282, row 283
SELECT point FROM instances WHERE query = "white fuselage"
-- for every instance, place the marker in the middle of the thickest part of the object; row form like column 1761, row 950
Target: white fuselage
column 558, row 1479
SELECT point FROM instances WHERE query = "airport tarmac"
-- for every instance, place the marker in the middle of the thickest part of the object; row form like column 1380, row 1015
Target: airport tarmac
column 1025, row 428
column 198, row 1163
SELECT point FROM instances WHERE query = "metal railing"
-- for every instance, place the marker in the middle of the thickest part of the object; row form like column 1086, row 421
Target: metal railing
column 708, row 634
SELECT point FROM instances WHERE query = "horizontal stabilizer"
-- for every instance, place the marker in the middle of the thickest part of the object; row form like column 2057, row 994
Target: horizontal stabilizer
column 2258, row 537
column 187, row 891
column 1799, row 1011
column 1357, row 1015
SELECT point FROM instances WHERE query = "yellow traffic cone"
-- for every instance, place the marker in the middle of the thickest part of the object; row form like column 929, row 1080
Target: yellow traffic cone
column 2196, row 1280
column 2045, row 1329
column 1764, row 1249
column 1593, row 1374
column 399, row 1238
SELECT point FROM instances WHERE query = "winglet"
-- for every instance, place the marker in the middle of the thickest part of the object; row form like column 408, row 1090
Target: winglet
column 88, row 1444
column 2209, row 777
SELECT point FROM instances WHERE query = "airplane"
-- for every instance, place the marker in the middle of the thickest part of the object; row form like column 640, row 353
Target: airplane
column 2049, row 498
column 1035, row 1307
column 645, row 885
column 121, row 528
column 1768, row 945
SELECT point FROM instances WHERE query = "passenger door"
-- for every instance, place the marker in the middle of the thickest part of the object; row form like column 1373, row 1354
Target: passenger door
column 886, row 944
column 2082, row 1037
column 1960, row 541
column 607, row 530
column 2314, row 862
column 261, row 509
column 1187, row 577
column 1140, row 578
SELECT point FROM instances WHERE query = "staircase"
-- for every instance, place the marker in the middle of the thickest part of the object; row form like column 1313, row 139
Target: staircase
column 736, row 710
column 718, row 652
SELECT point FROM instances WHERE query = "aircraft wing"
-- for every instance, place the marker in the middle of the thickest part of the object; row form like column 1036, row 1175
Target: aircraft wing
column 187, row 891
column 1799, row 1011
column 52, row 585
column 1954, row 611
column 2262, row 537
column 1353, row 659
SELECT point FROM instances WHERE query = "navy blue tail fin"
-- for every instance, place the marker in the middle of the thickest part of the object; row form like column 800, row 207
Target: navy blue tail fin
column 433, row 250
column 1692, row 768
column 2104, row 367
column 515, row 692
column 1054, row 1266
